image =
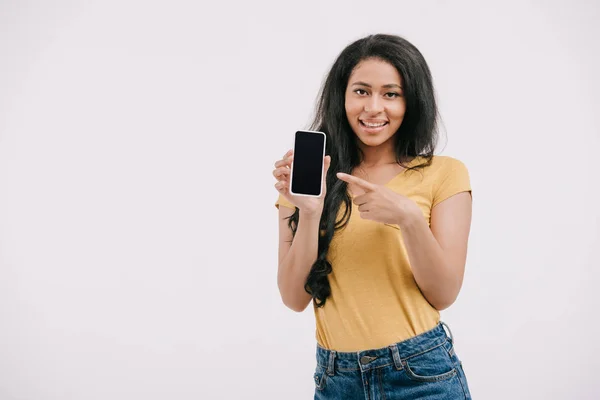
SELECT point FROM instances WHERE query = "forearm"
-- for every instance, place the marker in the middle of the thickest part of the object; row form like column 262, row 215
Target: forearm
column 430, row 267
column 294, row 268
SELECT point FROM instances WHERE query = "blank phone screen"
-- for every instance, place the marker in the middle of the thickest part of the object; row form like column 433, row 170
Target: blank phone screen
column 308, row 163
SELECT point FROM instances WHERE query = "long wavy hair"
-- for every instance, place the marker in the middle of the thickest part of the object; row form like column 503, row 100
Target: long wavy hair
column 416, row 136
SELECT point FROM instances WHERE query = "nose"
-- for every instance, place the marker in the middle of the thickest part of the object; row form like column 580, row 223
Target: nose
column 373, row 105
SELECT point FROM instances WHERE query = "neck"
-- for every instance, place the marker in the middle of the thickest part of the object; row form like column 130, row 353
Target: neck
column 376, row 156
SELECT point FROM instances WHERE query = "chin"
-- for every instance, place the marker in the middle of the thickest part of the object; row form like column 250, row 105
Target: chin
column 372, row 141
column 378, row 138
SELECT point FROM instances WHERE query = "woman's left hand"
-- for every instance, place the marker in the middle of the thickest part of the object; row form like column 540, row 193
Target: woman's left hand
column 381, row 204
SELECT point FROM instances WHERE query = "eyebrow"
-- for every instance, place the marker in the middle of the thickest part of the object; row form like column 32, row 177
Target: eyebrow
column 389, row 85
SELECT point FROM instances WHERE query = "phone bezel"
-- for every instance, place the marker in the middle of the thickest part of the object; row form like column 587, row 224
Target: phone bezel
column 322, row 164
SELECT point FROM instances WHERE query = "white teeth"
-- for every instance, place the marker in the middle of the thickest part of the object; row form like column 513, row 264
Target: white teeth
column 372, row 125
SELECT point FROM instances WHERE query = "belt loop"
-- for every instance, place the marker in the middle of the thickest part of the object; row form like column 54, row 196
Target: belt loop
column 396, row 357
column 330, row 365
column 449, row 332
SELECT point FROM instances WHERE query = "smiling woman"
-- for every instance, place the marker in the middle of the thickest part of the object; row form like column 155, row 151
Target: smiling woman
column 383, row 250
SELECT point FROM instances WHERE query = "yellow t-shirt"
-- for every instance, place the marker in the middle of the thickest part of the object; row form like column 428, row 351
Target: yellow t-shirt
column 375, row 300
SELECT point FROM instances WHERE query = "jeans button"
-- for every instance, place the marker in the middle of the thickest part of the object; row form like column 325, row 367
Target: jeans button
column 364, row 360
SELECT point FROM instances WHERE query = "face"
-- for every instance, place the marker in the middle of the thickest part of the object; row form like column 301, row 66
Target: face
column 375, row 103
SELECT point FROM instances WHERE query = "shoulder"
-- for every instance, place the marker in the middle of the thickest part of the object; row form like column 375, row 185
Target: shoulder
column 441, row 166
column 449, row 176
column 439, row 162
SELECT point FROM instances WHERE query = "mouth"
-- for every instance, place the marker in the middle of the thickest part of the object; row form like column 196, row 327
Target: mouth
column 372, row 126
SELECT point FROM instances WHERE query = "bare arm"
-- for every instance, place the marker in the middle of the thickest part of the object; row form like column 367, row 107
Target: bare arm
column 438, row 255
column 297, row 258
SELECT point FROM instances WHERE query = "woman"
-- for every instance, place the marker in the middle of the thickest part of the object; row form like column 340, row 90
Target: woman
column 383, row 250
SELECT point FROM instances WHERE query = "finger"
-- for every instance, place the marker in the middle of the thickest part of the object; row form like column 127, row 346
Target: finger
column 282, row 171
column 365, row 215
column 285, row 162
column 360, row 200
column 327, row 163
column 289, row 152
column 283, row 179
column 367, row 186
column 281, row 186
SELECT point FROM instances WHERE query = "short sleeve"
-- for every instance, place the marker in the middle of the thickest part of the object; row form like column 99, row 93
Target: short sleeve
column 284, row 202
column 454, row 178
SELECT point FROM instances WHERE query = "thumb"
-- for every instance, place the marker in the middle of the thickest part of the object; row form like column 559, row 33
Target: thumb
column 326, row 164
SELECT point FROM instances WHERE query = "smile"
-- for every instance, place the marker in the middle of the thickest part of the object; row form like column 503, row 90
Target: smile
column 372, row 127
column 373, row 124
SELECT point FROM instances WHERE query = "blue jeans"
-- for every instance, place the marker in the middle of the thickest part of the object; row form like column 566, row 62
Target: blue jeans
column 422, row 367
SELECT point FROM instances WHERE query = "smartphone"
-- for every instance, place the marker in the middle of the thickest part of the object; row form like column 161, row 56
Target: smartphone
column 306, row 176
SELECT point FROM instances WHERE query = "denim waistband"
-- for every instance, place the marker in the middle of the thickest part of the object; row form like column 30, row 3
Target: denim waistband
column 393, row 354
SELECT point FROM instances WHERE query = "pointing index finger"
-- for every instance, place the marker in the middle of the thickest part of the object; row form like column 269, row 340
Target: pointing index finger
column 367, row 186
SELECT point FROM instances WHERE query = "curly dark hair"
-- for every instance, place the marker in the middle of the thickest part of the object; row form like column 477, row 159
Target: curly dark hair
column 416, row 136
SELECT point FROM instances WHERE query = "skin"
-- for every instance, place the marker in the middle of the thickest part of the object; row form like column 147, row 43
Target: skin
column 437, row 252
column 374, row 94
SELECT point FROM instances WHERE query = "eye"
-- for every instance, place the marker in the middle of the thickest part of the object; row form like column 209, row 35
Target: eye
column 360, row 92
column 392, row 95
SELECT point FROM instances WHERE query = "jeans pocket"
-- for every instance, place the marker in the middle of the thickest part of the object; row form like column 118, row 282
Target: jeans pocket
column 320, row 377
column 432, row 365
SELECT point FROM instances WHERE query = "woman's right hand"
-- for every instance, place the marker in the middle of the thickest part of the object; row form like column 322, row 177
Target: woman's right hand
column 307, row 205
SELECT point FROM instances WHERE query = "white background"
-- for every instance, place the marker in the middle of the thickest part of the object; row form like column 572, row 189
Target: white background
column 138, row 232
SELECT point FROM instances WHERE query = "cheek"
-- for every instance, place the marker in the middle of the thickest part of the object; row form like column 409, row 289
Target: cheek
column 352, row 104
column 352, row 107
column 398, row 111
